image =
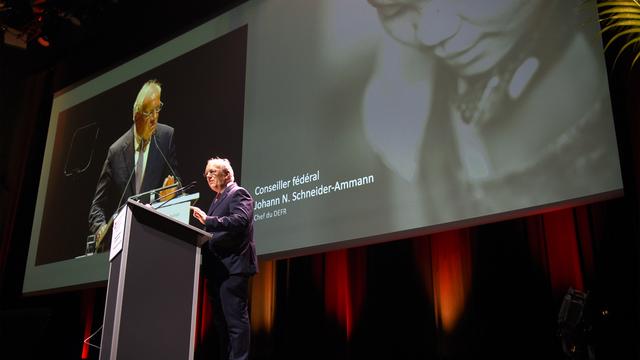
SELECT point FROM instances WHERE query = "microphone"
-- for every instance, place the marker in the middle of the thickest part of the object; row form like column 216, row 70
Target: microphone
column 155, row 141
column 138, row 196
column 189, row 186
column 124, row 191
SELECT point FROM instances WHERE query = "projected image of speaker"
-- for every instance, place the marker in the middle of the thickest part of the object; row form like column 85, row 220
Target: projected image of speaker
column 128, row 133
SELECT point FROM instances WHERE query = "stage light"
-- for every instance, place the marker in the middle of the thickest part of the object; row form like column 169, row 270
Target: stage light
column 44, row 41
column 15, row 38
column 4, row 7
column 21, row 36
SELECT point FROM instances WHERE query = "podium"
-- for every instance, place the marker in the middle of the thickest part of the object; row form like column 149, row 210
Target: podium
column 150, row 308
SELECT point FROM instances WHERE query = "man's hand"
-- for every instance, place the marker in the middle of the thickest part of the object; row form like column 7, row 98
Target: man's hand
column 169, row 180
column 199, row 214
column 102, row 231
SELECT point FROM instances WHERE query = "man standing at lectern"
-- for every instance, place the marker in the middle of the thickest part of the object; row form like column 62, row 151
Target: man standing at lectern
column 229, row 259
column 142, row 159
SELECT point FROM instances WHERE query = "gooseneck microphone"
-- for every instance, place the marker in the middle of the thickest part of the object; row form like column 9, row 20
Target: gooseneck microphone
column 192, row 184
column 137, row 197
column 124, row 191
column 155, row 141
column 188, row 186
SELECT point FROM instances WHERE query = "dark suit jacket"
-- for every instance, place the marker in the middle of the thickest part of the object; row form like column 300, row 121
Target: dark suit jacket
column 118, row 169
column 230, row 219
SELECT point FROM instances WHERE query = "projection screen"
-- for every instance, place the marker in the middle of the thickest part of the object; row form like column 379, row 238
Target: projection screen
column 350, row 122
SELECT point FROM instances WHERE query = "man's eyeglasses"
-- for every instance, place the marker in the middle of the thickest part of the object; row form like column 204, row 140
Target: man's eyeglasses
column 211, row 172
column 214, row 172
column 156, row 111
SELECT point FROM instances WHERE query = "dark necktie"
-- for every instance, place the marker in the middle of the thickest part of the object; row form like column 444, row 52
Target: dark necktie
column 140, row 166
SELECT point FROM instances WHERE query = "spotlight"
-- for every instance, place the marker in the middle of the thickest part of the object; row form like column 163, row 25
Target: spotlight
column 4, row 7
column 21, row 37
column 43, row 41
column 15, row 38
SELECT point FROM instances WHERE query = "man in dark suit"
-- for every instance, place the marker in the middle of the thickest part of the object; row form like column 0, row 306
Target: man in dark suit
column 142, row 159
column 229, row 259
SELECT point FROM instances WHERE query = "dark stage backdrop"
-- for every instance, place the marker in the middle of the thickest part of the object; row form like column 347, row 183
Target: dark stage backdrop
column 503, row 282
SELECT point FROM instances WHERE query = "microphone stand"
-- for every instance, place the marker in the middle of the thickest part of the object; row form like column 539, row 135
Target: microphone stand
column 192, row 184
column 138, row 196
column 155, row 141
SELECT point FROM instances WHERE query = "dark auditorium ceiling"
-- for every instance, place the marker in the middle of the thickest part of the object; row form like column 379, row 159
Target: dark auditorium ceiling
column 39, row 33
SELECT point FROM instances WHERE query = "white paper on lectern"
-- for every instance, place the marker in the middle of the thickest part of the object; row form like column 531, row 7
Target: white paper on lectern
column 117, row 234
